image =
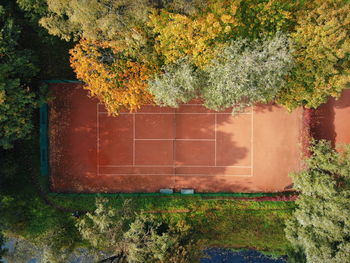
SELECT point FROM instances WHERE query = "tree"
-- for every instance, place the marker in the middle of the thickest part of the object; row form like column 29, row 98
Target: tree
column 112, row 75
column 105, row 227
column 17, row 102
column 322, row 52
column 152, row 241
column 241, row 74
column 321, row 223
column 136, row 236
column 198, row 36
column 178, row 83
column 245, row 73
column 95, row 20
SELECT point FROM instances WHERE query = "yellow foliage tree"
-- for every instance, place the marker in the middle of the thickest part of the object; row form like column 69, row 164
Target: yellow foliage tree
column 195, row 37
column 114, row 78
column 322, row 38
column 199, row 37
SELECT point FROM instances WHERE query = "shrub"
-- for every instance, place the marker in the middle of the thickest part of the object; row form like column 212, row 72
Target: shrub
column 321, row 223
column 245, row 73
column 322, row 53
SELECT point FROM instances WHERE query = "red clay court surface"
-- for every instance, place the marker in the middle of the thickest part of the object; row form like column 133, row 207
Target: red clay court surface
column 188, row 147
column 331, row 121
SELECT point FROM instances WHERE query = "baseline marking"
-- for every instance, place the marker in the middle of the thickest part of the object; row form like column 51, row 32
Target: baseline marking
column 178, row 166
column 175, row 165
column 209, row 140
column 133, row 141
column 98, row 140
column 168, row 113
column 215, row 139
column 252, row 142
column 240, row 175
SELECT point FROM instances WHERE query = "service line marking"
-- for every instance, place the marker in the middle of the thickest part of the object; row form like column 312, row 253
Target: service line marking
column 252, row 142
column 178, row 166
column 168, row 113
column 215, row 127
column 206, row 140
column 240, row 175
column 133, row 141
column 98, row 140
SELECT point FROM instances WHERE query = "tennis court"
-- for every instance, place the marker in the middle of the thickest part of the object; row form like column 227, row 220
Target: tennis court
column 154, row 148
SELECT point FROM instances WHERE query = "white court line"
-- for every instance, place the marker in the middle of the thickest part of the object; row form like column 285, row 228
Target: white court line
column 155, row 105
column 168, row 113
column 245, row 175
column 133, row 141
column 98, row 140
column 177, row 166
column 209, row 140
column 252, row 142
column 174, row 165
column 215, row 126
column 174, row 147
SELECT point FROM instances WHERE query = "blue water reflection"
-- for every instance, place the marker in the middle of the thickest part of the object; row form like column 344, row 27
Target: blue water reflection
column 218, row 255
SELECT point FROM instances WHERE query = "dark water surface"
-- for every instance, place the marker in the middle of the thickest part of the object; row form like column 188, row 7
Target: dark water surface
column 219, row 255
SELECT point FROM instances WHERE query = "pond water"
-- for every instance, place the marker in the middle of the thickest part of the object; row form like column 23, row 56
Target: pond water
column 215, row 255
column 218, row 255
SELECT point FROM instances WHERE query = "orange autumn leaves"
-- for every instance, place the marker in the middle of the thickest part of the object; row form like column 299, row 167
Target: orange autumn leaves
column 110, row 75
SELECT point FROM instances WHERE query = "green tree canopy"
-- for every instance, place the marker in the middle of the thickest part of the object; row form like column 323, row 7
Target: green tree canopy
column 242, row 74
column 248, row 72
column 16, row 69
column 139, row 237
column 105, row 227
column 177, row 83
column 152, row 241
column 321, row 223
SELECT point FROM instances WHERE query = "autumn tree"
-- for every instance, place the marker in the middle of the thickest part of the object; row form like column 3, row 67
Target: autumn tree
column 17, row 102
column 199, row 36
column 95, row 20
column 322, row 52
column 110, row 74
column 320, row 225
